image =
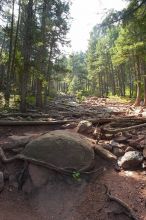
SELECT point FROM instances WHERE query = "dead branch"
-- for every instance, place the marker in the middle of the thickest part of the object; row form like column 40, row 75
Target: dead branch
column 17, row 123
column 16, row 114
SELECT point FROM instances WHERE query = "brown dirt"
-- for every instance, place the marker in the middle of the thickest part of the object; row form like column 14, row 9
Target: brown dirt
column 63, row 199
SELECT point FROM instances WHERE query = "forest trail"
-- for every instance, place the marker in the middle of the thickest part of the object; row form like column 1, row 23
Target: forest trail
column 64, row 198
column 36, row 71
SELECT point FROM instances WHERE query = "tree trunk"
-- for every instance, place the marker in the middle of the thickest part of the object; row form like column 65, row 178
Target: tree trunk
column 27, row 46
column 144, row 91
column 39, row 94
column 112, row 79
column 15, row 43
column 138, row 93
column 8, row 82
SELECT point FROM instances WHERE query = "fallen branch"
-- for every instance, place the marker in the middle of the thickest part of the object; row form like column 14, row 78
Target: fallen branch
column 128, row 211
column 16, row 114
column 94, row 121
column 15, row 123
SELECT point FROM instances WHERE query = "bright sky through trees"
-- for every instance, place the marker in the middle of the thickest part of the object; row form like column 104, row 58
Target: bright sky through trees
column 85, row 14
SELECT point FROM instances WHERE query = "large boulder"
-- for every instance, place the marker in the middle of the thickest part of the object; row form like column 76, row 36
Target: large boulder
column 130, row 160
column 62, row 149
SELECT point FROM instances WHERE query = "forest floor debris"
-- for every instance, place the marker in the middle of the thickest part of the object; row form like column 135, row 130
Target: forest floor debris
column 85, row 199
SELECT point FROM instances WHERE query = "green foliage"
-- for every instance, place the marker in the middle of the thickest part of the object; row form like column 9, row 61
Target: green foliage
column 30, row 42
column 76, row 175
column 30, row 100
column 116, row 52
column 77, row 72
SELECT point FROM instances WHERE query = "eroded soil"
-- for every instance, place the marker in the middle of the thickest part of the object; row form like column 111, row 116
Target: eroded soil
column 68, row 199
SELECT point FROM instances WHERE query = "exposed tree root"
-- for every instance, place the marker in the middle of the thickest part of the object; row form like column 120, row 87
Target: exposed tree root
column 105, row 153
column 108, row 129
column 128, row 210
column 66, row 171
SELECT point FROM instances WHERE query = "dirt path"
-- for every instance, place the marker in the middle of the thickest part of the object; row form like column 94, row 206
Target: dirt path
column 85, row 200
column 67, row 199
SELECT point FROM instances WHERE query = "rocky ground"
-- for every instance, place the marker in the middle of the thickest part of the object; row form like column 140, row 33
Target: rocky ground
column 121, row 169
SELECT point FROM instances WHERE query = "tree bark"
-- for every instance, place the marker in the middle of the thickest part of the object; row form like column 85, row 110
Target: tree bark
column 8, row 82
column 27, row 46
column 138, row 93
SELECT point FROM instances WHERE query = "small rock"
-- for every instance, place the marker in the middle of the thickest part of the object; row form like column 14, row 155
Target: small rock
column 69, row 126
column 96, row 133
column 20, row 118
column 141, row 137
column 129, row 149
column 108, row 147
column 144, row 114
column 121, row 139
column 39, row 175
column 114, row 143
column 84, row 127
column 122, row 146
column 118, row 152
column 1, row 181
column 101, row 142
column 130, row 160
column 144, row 164
column 108, row 136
